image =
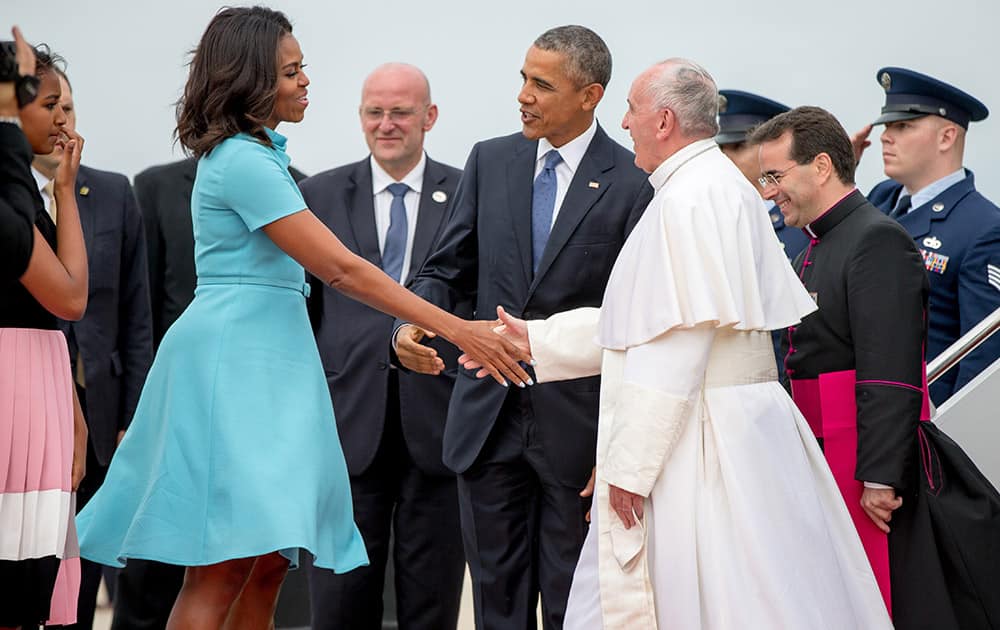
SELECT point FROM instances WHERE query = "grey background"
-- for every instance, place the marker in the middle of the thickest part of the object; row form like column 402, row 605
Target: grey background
column 127, row 63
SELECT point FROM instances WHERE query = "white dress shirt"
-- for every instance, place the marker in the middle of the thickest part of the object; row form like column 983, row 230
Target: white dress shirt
column 383, row 204
column 41, row 181
column 572, row 154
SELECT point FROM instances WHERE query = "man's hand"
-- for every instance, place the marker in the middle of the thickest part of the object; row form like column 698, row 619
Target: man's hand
column 627, row 505
column 497, row 356
column 860, row 142
column 878, row 504
column 515, row 330
column 413, row 354
column 588, row 490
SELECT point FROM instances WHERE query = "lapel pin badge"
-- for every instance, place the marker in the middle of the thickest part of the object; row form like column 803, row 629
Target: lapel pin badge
column 439, row 196
column 938, row 207
column 932, row 242
column 594, row 185
column 84, row 191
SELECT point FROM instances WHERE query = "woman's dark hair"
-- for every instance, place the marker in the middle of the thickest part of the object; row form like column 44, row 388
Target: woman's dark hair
column 233, row 78
column 47, row 61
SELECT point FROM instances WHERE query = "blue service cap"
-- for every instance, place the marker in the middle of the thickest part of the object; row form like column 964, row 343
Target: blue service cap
column 739, row 112
column 909, row 95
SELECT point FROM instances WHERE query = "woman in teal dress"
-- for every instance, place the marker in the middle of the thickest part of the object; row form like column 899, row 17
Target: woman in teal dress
column 232, row 462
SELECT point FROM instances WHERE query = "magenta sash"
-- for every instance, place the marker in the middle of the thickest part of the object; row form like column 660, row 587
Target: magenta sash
column 828, row 404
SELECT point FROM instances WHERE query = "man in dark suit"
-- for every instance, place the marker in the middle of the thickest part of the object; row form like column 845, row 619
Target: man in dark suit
column 389, row 208
column 934, row 198
column 111, row 347
column 145, row 590
column 537, row 222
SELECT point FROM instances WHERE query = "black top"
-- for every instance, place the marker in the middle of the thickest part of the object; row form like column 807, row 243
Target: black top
column 18, row 309
column 868, row 280
column 16, row 209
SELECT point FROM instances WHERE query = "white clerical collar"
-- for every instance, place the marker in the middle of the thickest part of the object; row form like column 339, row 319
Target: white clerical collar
column 414, row 179
column 669, row 166
column 571, row 152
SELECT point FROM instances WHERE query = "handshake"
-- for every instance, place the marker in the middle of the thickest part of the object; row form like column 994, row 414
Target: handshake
column 511, row 341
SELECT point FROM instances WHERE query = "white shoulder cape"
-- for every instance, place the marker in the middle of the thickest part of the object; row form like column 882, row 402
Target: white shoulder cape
column 703, row 251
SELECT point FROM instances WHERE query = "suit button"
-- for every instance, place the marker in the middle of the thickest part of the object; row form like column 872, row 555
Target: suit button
column 382, row 365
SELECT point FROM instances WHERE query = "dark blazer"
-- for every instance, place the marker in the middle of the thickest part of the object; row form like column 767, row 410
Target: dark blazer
column 958, row 234
column 485, row 254
column 351, row 336
column 164, row 194
column 115, row 336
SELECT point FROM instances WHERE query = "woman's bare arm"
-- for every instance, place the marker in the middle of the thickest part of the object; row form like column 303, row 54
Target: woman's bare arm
column 307, row 240
column 58, row 280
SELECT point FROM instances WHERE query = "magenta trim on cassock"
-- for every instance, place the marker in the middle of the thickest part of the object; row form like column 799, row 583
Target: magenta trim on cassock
column 890, row 384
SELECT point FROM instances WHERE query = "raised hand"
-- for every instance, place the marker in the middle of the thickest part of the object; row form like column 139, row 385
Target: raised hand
column 414, row 355
column 860, row 142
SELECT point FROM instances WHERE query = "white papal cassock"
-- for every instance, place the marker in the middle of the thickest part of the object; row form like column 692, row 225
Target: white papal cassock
column 744, row 526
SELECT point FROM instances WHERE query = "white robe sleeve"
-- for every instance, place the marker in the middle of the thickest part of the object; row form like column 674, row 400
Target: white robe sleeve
column 661, row 384
column 564, row 345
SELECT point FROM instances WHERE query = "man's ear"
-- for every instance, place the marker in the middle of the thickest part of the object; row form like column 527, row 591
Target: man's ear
column 592, row 95
column 666, row 123
column 430, row 117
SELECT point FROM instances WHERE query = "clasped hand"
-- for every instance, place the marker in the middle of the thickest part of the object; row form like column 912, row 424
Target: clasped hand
column 491, row 353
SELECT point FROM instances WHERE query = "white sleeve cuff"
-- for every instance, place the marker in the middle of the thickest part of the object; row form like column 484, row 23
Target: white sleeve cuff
column 563, row 345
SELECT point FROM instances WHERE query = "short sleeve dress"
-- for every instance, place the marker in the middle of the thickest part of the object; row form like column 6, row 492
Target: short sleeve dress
column 233, row 450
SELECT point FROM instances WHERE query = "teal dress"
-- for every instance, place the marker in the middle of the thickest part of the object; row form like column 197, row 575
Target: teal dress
column 233, row 450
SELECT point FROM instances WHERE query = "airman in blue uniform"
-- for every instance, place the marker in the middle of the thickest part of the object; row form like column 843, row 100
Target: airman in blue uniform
column 934, row 198
column 739, row 113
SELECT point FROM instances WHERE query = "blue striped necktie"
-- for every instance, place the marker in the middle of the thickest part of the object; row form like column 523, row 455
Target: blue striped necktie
column 543, row 204
column 394, row 249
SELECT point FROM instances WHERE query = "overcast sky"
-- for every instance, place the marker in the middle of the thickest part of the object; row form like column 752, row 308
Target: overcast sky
column 127, row 63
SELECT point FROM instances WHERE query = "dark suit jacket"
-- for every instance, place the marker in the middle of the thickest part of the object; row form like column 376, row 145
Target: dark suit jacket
column 164, row 194
column 114, row 337
column 485, row 254
column 351, row 336
column 958, row 233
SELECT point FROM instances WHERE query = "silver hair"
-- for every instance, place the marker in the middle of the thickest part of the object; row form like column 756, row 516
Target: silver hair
column 688, row 90
column 588, row 59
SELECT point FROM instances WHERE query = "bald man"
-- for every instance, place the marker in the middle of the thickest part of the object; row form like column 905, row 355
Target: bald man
column 389, row 208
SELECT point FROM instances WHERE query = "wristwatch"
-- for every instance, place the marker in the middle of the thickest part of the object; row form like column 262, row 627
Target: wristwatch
column 14, row 120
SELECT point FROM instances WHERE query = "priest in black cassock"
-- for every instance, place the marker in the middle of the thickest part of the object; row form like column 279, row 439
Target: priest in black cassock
column 856, row 365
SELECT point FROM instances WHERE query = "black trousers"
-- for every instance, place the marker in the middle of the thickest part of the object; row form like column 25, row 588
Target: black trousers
column 523, row 529
column 395, row 500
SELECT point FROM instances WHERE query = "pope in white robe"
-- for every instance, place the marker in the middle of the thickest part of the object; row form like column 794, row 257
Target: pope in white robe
column 743, row 525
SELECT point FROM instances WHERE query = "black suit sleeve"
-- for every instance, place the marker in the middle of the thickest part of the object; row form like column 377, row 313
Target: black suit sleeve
column 16, row 206
column 449, row 277
column 146, row 196
column 887, row 298
column 135, row 341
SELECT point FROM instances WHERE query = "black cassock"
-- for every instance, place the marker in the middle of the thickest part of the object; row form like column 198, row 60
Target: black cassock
column 869, row 283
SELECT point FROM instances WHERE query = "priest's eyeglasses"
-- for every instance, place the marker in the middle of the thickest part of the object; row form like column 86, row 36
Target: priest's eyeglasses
column 774, row 178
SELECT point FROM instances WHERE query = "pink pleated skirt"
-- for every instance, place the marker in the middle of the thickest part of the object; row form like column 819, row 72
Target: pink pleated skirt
column 39, row 555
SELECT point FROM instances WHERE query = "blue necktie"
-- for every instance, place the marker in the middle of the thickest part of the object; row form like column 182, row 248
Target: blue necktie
column 543, row 204
column 902, row 207
column 394, row 249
